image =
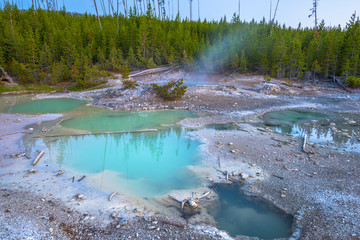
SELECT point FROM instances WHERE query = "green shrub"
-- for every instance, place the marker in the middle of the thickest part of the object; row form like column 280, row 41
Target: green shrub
column 170, row 91
column 353, row 81
column 267, row 78
column 129, row 83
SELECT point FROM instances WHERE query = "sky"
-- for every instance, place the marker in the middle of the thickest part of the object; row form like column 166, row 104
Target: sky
column 290, row 12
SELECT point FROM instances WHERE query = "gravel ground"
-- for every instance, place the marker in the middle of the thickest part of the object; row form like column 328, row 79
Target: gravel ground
column 319, row 187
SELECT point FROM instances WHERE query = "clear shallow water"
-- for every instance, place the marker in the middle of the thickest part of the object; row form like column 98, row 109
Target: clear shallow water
column 55, row 105
column 339, row 130
column 240, row 216
column 144, row 164
column 103, row 120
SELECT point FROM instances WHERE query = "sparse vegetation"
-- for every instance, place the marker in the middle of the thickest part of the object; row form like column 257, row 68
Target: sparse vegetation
column 170, row 91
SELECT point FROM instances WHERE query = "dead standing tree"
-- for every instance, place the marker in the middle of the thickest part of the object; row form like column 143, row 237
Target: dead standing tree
column 314, row 12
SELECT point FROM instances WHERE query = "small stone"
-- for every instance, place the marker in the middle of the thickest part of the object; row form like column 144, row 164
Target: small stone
column 232, row 151
column 230, row 144
column 151, row 227
column 32, row 171
column 244, row 176
column 122, row 222
column 81, row 197
column 136, row 210
column 51, row 230
column 113, row 215
column 192, row 204
column 147, row 218
column 154, row 222
column 283, row 195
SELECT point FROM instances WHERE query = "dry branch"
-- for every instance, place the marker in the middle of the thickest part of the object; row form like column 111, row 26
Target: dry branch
column 174, row 224
column 112, row 195
column 37, row 159
column 191, row 201
column 61, row 172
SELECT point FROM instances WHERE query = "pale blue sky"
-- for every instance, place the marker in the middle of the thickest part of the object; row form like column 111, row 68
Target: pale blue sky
column 290, row 12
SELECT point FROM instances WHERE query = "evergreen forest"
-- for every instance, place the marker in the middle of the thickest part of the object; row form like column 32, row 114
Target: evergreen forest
column 52, row 47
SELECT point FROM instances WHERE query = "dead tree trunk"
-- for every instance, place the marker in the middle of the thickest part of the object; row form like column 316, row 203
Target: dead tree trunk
column 5, row 77
column 97, row 14
column 125, row 10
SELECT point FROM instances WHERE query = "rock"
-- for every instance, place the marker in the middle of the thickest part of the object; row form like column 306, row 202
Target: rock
column 151, row 227
column 122, row 222
column 18, row 155
column 51, row 230
column 138, row 211
column 232, row 151
column 244, row 176
column 192, row 204
column 283, row 195
column 81, row 197
column 231, row 144
column 32, row 171
column 114, row 215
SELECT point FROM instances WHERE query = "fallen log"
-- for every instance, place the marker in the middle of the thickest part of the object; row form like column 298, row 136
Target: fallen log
column 8, row 134
column 82, row 178
column 55, row 125
column 37, row 159
column 231, row 75
column 99, row 133
column 336, row 80
column 112, row 195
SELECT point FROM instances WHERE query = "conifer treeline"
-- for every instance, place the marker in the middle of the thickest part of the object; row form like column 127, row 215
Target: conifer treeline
column 49, row 47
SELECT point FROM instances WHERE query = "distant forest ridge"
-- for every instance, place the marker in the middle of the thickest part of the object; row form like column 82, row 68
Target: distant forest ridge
column 50, row 47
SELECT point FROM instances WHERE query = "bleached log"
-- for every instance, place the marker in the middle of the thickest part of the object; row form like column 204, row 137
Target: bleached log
column 304, row 144
column 8, row 134
column 37, row 159
column 55, row 125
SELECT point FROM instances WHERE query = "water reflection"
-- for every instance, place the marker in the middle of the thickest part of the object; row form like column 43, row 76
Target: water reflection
column 332, row 128
column 240, row 216
column 155, row 159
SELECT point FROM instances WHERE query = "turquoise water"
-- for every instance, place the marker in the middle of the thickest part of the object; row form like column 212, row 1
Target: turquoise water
column 240, row 216
column 55, row 105
column 143, row 164
column 339, row 130
column 104, row 120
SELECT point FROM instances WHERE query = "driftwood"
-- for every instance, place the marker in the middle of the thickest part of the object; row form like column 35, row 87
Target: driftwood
column 112, row 195
column 99, row 133
column 55, row 125
column 82, row 178
column 304, row 144
column 37, row 159
column 191, row 201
